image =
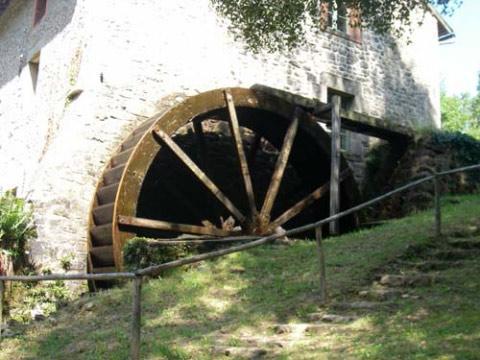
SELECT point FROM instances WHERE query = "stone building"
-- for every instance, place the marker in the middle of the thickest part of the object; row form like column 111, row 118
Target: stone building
column 76, row 76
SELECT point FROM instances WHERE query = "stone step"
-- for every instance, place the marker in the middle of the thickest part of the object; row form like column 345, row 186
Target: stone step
column 331, row 318
column 241, row 352
column 431, row 265
column 360, row 305
column 415, row 279
column 454, row 254
column 381, row 294
column 465, row 244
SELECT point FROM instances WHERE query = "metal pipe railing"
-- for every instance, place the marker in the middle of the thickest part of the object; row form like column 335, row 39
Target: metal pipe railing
column 137, row 276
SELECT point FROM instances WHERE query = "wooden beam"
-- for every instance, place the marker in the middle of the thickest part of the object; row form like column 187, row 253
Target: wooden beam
column 335, row 163
column 244, row 170
column 367, row 125
column 161, row 136
column 305, row 202
column 169, row 226
column 280, row 166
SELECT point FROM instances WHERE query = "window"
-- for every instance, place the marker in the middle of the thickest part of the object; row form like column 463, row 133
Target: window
column 34, row 66
column 40, row 10
column 342, row 20
column 338, row 19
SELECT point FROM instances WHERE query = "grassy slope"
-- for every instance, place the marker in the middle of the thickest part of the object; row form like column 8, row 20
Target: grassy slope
column 186, row 313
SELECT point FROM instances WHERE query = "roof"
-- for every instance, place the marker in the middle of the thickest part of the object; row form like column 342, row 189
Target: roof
column 445, row 31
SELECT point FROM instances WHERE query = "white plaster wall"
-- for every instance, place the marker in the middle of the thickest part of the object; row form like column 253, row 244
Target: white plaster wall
column 126, row 55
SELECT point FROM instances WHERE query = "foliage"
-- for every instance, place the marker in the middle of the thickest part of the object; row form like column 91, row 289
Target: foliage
column 45, row 296
column 464, row 149
column 16, row 225
column 138, row 253
column 282, row 24
column 462, row 112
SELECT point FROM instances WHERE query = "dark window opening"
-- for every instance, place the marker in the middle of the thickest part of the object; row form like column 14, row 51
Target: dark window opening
column 34, row 66
column 40, row 10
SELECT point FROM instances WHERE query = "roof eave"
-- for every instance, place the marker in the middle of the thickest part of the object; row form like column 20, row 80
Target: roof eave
column 445, row 31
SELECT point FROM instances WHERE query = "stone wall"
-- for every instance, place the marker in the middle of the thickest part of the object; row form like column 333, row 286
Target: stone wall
column 106, row 65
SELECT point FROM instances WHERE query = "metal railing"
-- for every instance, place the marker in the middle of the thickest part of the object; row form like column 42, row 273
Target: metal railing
column 137, row 276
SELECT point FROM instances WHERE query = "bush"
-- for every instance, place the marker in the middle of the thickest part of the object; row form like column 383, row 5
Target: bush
column 465, row 151
column 138, row 253
column 430, row 152
column 16, row 227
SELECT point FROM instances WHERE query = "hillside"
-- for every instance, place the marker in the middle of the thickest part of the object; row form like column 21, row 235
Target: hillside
column 394, row 293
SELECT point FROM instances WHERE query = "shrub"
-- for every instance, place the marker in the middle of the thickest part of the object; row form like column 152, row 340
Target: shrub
column 16, row 226
column 138, row 253
column 432, row 151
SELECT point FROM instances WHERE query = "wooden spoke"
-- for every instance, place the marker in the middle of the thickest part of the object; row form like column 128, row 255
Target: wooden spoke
column 169, row 226
column 235, row 129
column 199, row 240
column 304, row 203
column 252, row 156
column 209, row 184
column 280, row 166
column 198, row 128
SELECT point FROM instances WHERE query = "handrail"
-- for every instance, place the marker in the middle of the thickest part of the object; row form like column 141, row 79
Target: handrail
column 138, row 275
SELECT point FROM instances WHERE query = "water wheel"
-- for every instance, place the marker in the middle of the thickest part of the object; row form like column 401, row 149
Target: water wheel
column 225, row 163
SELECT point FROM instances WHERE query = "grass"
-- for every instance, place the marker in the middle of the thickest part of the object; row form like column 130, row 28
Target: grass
column 188, row 313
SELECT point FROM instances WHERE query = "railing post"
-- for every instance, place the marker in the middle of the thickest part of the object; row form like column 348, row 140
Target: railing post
column 2, row 294
column 438, row 210
column 321, row 258
column 136, row 317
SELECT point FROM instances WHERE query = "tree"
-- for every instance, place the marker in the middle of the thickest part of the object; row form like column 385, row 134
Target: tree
column 282, row 24
column 461, row 112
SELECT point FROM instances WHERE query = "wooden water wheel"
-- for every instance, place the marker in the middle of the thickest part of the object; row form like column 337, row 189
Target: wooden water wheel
column 174, row 175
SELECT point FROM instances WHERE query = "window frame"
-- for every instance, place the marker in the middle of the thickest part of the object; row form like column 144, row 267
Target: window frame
column 351, row 28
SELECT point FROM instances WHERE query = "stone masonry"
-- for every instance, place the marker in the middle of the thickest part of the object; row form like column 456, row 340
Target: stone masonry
column 105, row 66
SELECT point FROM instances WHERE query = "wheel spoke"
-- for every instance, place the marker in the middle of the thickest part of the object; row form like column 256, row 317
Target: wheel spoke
column 280, row 166
column 236, row 135
column 159, row 135
column 305, row 202
column 199, row 240
column 169, row 226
